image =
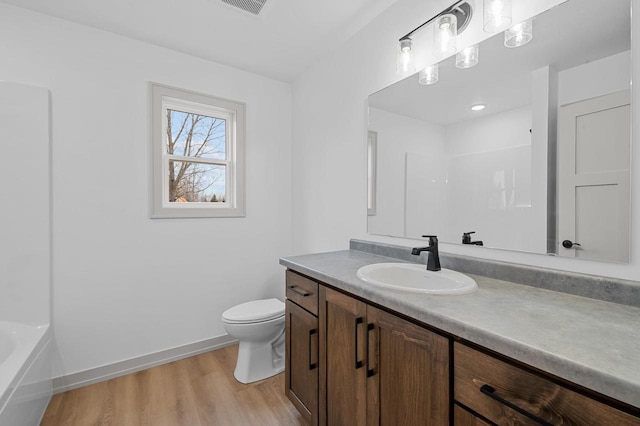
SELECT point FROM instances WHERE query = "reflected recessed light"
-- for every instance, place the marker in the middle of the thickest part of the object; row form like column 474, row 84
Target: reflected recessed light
column 478, row 107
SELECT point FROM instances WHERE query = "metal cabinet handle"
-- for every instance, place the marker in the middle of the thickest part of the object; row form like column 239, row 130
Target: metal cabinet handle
column 370, row 371
column 491, row 393
column 312, row 365
column 302, row 293
column 358, row 363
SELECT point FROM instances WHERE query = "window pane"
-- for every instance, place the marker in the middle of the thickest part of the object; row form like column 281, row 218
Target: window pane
column 196, row 135
column 196, row 183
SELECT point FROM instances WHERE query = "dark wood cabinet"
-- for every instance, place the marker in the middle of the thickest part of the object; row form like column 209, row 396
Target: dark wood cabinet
column 342, row 351
column 462, row 417
column 301, row 360
column 507, row 394
column 408, row 369
column 378, row 368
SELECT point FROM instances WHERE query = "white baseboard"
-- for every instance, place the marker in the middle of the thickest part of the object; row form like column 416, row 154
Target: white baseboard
column 106, row 372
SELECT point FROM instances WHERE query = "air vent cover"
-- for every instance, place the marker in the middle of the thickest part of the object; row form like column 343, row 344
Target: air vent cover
column 252, row 6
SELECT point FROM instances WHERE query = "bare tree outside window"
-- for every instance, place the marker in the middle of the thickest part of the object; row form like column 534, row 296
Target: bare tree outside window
column 194, row 136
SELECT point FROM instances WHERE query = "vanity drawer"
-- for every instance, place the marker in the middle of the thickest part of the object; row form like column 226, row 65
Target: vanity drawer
column 302, row 291
column 489, row 386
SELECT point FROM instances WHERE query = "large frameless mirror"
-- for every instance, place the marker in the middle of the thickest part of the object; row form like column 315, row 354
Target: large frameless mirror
column 544, row 167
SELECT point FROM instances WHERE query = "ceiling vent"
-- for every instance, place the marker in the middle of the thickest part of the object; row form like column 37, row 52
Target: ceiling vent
column 252, row 6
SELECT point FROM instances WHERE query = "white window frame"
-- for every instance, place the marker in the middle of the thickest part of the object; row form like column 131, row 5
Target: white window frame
column 165, row 97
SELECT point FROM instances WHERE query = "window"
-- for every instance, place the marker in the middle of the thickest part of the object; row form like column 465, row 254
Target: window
column 198, row 154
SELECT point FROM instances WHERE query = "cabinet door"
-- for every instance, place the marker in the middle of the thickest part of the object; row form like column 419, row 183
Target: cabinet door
column 301, row 379
column 342, row 351
column 408, row 369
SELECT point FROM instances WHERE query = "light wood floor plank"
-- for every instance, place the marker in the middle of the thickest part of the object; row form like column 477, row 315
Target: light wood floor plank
column 197, row 391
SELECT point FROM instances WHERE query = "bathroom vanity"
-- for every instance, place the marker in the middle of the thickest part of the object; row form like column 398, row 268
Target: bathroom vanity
column 506, row 354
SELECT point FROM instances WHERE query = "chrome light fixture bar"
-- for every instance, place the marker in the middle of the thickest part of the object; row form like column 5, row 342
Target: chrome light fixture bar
column 461, row 10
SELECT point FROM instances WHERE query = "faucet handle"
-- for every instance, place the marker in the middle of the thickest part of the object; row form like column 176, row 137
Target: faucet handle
column 433, row 239
column 466, row 237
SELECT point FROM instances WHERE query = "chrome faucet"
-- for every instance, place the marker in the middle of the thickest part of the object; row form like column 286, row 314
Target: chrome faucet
column 433, row 261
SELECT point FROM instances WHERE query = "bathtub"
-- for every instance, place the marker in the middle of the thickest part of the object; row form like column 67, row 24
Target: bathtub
column 25, row 373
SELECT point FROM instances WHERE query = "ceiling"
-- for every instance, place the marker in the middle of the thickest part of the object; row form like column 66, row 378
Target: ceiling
column 286, row 38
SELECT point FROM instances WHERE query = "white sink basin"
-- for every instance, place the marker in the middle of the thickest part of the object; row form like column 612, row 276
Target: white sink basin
column 416, row 278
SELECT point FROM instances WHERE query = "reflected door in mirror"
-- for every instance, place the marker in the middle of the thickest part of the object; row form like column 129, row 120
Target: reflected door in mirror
column 593, row 191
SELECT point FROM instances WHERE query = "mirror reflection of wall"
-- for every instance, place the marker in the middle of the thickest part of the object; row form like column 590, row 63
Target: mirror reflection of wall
column 444, row 169
column 372, row 161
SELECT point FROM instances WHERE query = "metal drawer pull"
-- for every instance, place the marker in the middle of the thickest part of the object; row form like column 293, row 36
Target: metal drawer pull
column 312, row 365
column 358, row 364
column 491, row 392
column 302, row 293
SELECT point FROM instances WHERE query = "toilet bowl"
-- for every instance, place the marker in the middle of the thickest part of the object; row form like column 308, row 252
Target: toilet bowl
column 259, row 327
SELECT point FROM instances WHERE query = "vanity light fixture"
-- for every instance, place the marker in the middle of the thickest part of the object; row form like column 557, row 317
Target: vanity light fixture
column 429, row 75
column 478, row 107
column 405, row 59
column 519, row 35
column 468, row 57
column 497, row 15
column 448, row 24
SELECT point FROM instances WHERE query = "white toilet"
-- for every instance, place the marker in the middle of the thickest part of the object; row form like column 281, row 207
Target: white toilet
column 259, row 327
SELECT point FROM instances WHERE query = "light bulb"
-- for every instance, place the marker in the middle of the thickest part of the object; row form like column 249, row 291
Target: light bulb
column 444, row 36
column 405, row 60
column 478, row 107
column 497, row 15
column 468, row 57
column 429, row 75
column 519, row 35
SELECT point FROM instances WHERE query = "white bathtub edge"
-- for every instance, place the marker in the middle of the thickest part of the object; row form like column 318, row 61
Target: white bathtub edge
column 133, row 365
column 28, row 399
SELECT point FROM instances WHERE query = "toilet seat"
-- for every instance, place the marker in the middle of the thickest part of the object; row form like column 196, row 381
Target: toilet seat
column 254, row 311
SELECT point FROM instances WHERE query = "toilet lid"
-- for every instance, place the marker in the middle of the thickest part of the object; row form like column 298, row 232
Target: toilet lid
column 254, row 311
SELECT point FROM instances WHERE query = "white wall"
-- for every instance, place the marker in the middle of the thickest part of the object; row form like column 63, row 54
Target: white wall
column 25, row 256
column 125, row 285
column 593, row 79
column 330, row 207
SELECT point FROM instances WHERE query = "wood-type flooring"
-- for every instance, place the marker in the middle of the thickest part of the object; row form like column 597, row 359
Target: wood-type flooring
column 196, row 391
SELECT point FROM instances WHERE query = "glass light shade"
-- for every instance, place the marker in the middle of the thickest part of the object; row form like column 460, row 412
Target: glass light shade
column 429, row 75
column 468, row 57
column 497, row 15
column 405, row 63
column 519, row 35
column 444, row 36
